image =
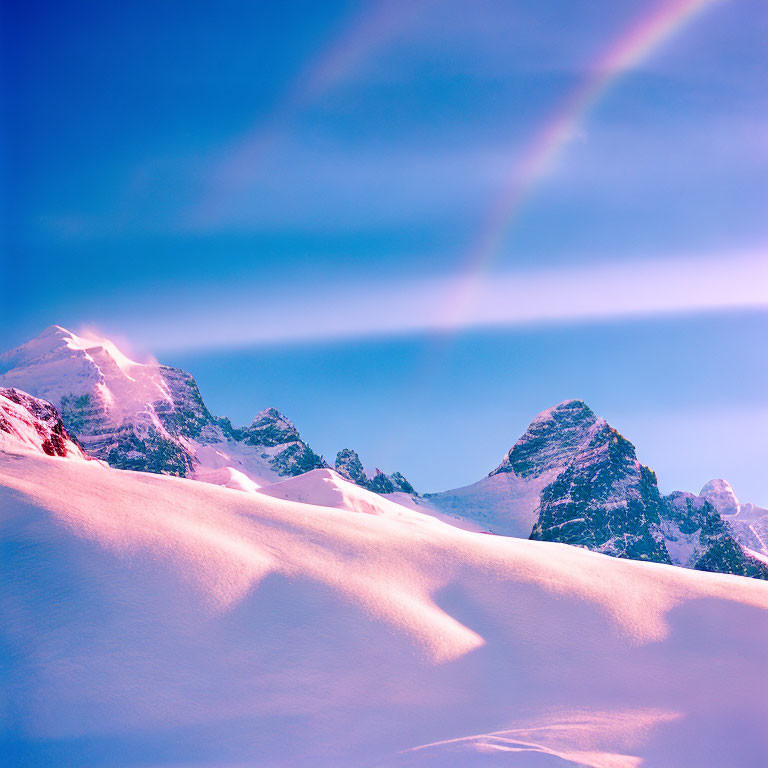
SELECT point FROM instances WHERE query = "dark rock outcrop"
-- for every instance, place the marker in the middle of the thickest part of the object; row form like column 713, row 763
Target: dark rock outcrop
column 348, row 465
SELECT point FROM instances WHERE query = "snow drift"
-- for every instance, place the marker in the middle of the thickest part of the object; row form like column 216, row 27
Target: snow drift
column 151, row 620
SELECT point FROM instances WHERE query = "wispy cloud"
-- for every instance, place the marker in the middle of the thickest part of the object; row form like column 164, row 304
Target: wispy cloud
column 339, row 310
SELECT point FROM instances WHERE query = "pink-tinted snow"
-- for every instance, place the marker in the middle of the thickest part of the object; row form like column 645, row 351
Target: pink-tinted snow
column 150, row 620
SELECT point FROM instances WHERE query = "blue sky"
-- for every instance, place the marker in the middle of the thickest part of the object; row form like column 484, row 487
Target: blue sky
column 281, row 197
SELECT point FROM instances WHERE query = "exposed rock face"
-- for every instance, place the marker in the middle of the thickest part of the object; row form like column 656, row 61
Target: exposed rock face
column 28, row 424
column 750, row 528
column 270, row 429
column 348, row 465
column 579, row 481
column 146, row 416
column 401, row 484
column 184, row 414
column 570, row 478
column 603, row 498
column 552, row 440
column 700, row 538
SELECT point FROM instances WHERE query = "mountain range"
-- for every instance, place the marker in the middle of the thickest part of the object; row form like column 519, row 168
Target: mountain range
column 152, row 418
column 285, row 613
column 152, row 620
column 570, row 478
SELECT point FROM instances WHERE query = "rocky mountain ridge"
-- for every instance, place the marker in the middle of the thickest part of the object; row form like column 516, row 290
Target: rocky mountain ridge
column 348, row 465
column 570, row 478
column 747, row 522
column 149, row 417
column 146, row 416
column 29, row 424
column 590, row 490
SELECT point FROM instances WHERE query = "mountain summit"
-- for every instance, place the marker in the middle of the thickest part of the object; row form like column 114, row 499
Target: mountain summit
column 748, row 522
column 721, row 496
column 572, row 478
column 146, row 416
column 552, row 439
column 131, row 414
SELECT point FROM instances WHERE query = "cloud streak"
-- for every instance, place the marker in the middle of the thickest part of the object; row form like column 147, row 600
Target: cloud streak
column 629, row 50
column 595, row 293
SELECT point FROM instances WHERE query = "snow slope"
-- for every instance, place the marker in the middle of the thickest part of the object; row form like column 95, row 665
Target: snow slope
column 504, row 503
column 150, row 620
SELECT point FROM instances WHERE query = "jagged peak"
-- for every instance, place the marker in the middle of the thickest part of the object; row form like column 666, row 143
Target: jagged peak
column 721, row 495
column 30, row 424
column 347, row 457
column 568, row 410
column 272, row 415
column 552, row 438
column 270, row 412
column 272, row 428
column 348, row 465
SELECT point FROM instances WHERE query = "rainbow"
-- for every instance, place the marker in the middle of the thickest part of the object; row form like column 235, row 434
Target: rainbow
column 632, row 48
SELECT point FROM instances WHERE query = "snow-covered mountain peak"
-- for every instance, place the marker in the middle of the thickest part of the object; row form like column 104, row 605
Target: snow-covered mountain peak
column 54, row 338
column 552, row 439
column 128, row 413
column 56, row 342
column 721, row 496
column 149, row 417
column 76, row 371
